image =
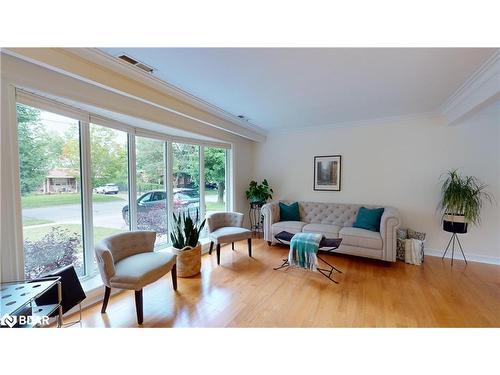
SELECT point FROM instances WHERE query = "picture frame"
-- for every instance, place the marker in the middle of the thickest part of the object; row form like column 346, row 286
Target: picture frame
column 327, row 173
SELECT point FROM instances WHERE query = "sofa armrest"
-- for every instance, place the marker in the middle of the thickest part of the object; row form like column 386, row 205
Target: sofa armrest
column 271, row 214
column 389, row 223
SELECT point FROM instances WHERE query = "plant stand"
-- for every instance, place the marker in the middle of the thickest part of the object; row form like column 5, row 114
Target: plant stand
column 453, row 237
column 256, row 218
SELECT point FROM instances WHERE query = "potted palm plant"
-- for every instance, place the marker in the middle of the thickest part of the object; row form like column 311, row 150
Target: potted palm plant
column 185, row 235
column 462, row 201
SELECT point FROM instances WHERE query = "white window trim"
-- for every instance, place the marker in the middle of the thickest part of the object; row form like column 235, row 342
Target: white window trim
column 85, row 119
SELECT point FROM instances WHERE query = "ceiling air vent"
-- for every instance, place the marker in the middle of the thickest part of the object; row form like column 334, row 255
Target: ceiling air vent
column 136, row 63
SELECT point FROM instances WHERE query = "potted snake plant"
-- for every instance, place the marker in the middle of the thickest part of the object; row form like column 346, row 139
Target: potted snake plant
column 185, row 235
column 462, row 201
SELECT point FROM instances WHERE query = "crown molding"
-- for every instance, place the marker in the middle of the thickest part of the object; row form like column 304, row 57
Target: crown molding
column 479, row 90
column 379, row 121
column 136, row 85
column 104, row 59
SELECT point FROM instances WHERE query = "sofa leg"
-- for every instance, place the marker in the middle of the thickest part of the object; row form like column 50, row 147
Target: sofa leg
column 107, row 292
column 218, row 254
column 211, row 247
column 138, row 306
column 250, row 247
column 174, row 276
column 232, row 245
column 269, row 243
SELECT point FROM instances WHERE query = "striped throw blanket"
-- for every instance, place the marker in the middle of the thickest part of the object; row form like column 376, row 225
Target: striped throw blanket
column 303, row 249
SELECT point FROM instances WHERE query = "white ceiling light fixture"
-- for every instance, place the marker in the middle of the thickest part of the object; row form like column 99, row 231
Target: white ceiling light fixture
column 136, row 63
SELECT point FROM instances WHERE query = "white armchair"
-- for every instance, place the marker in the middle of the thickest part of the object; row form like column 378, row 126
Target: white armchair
column 227, row 227
column 128, row 261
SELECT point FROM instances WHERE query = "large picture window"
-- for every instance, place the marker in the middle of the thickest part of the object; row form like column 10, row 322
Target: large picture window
column 186, row 178
column 151, row 189
column 77, row 179
column 109, row 180
column 50, row 180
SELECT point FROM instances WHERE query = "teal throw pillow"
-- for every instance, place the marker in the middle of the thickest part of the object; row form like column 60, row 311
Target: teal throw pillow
column 289, row 212
column 369, row 218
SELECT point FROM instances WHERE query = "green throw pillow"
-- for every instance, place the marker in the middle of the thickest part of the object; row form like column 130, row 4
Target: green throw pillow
column 289, row 212
column 369, row 219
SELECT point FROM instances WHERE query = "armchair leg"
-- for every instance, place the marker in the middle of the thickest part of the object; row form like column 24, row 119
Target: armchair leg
column 250, row 247
column 211, row 247
column 107, row 292
column 232, row 245
column 269, row 243
column 138, row 306
column 218, row 254
column 174, row 276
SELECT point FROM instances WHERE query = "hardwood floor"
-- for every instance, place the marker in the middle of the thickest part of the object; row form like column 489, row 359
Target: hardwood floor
column 247, row 292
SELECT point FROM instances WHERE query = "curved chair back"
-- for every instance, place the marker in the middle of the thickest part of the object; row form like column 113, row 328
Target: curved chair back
column 115, row 248
column 224, row 219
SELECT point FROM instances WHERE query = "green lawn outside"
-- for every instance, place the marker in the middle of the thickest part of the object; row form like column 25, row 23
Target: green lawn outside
column 28, row 221
column 44, row 200
column 36, row 233
column 214, row 206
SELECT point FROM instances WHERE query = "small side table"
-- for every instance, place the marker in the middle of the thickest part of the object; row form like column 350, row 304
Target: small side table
column 18, row 299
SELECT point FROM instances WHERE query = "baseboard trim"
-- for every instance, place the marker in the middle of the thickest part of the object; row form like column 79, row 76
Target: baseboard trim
column 458, row 255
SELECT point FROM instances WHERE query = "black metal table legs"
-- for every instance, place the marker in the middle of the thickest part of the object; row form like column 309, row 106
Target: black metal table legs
column 324, row 271
column 454, row 237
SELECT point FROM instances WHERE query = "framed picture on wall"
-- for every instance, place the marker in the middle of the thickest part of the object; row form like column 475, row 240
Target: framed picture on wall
column 327, row 172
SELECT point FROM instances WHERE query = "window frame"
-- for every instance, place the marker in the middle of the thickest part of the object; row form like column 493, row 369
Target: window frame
column 85, row 119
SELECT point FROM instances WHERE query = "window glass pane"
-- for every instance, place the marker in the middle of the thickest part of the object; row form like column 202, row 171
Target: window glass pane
column 186, row 178
column 109, row 179
column 151, row 193
column 215, row 179
column 50, row 179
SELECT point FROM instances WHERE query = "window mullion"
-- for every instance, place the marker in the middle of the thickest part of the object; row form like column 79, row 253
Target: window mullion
column 202, row 182
column 132, row 180
column 168, row 184
column 86, row 192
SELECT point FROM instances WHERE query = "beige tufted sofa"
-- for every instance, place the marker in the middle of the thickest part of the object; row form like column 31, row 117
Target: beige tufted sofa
column 335, row 220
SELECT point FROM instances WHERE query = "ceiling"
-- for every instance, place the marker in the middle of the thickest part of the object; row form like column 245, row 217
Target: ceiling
column 280, row 88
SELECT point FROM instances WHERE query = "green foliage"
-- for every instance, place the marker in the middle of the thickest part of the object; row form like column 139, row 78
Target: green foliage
column 186, row 231
column 463, row 195
column 33, row 158
column 215, row 169
column 186, row 162
column 150, row 163
column 259, row 193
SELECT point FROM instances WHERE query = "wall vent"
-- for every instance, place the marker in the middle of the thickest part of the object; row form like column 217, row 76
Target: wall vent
column 136, row 63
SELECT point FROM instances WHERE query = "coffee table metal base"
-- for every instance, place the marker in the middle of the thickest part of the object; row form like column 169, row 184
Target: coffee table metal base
column 327, row 272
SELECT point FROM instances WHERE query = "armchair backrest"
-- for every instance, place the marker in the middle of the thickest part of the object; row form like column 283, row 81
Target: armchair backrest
column 224, row 219
column 114, row 248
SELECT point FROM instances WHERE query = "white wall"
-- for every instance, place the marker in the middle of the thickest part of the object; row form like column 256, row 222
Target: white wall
column 397, row 164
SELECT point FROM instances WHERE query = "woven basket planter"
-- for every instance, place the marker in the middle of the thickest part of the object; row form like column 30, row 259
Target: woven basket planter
column 188, row 260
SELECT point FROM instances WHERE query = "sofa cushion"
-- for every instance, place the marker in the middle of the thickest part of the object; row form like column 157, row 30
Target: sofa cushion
column 289, row 212
column 288, row 226
column 369, row 218
column 328, row 230
column 360, row 237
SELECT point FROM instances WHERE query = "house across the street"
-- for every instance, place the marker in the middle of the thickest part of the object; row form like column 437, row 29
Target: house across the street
column 60, row 180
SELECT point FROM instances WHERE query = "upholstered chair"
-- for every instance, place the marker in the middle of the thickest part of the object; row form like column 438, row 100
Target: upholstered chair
column 128, row 261
column 227, row 227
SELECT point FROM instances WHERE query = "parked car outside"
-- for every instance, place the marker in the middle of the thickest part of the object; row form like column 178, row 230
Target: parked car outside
column 154, row 200
column 107, row 189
